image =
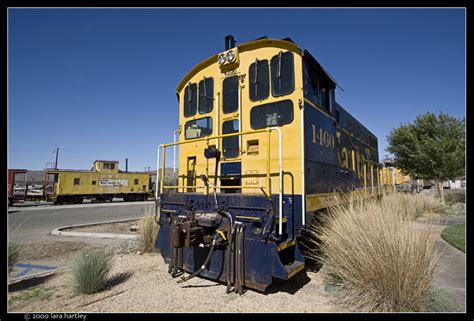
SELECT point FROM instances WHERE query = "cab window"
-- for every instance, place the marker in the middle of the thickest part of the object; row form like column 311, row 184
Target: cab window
column 315, row 88
column 230, row 92
column 198, row 128
column 283, row 76
column 206, row 94
column 190, row 100
column 273, row 114
column 259, row 82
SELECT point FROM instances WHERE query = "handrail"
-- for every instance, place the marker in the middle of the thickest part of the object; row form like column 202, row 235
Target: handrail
column 174, row 150
column 207, row 139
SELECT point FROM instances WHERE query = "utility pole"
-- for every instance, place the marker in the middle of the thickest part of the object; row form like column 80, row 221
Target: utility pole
column 57, row 154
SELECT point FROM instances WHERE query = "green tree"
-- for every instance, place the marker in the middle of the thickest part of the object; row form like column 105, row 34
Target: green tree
column 432, row 147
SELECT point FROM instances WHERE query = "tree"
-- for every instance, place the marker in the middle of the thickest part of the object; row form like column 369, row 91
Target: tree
column 433, row 147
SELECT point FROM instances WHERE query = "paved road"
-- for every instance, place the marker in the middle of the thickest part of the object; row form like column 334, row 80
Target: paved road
column 36, row 222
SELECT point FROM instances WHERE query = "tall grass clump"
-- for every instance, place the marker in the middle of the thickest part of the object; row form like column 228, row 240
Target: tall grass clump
column 376, row 255
column 90, row 270
column 412, row 206
column 148, row 232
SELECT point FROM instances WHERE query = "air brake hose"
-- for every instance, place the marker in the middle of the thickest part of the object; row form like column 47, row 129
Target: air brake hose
column 203, row 266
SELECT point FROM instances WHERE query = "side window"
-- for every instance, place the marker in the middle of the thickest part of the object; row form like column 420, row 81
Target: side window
column 112, row 165
column 315, row 88
column 230, row 145
column 198, row 128
column 259, row 84
column 135, row 181
column 230, row 95
column 206, row 95
column 106, row 166
column 94, row 182
column 283, row 75
column 77, row 181
column 190, row 100
column 273, row 114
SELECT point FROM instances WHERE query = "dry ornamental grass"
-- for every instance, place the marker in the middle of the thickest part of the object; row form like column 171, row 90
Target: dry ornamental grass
column 148, row 232
column 374, row 252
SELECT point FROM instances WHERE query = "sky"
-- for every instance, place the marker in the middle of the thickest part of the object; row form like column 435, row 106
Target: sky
column 101, row 83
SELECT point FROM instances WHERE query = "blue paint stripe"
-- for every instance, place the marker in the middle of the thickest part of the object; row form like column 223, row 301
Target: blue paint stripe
column 25, row 271
column 32, row 266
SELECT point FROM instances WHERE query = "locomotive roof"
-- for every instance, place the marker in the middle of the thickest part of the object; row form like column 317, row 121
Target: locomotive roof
column 105, row 161
column 286, row 43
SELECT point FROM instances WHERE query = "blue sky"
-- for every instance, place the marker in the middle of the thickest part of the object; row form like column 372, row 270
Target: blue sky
column 100, row 83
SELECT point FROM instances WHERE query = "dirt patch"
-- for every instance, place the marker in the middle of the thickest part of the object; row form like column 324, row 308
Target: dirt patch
column 42, row 250
column 148, row 287
column 114, row 228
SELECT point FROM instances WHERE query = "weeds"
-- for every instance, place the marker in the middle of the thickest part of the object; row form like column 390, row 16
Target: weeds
column 36, row 293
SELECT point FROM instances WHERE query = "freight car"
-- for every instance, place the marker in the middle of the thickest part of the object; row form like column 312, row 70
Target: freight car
column 263, row 146
column 103, row 182
column 15, row 194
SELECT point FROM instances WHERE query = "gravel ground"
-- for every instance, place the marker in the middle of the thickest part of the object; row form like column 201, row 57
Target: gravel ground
column 140, row 283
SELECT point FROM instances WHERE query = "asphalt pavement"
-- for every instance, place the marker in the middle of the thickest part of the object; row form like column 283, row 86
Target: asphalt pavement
column 30, row 223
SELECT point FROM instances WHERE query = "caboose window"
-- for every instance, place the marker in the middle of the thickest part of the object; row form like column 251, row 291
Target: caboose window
column 283, row 76
column 259, row 83
column 230, row 145
column 274, row 114
column 198, row 128
column 206, row 94
column 190, row 100
column 77, row 181
column 230, row 92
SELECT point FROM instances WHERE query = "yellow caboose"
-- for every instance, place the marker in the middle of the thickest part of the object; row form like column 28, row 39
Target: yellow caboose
column 103, row 182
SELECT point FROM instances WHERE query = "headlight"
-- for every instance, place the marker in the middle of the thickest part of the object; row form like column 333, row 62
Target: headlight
column 221, row 59
column 230, row 56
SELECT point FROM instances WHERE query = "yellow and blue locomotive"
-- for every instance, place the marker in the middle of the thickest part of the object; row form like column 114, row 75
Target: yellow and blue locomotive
column 263, row 146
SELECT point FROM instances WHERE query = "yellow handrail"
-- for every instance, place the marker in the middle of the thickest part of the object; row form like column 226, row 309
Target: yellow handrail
column 207, row 139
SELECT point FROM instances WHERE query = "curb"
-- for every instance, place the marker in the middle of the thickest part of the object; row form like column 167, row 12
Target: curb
column 14, row 281
column 59, row 231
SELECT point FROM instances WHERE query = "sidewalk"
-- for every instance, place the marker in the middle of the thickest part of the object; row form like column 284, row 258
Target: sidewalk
column 449, row 283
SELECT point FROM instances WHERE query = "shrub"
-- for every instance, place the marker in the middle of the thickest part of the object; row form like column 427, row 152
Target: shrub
column 373, row 251
column 90, row 270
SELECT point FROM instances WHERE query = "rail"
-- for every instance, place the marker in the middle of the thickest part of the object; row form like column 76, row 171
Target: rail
column 207, row 139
